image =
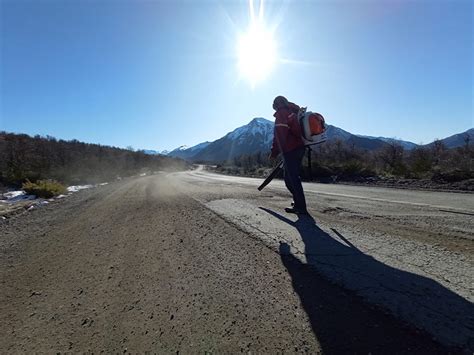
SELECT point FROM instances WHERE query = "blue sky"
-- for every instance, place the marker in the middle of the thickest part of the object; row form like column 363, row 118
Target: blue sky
column 159, row 74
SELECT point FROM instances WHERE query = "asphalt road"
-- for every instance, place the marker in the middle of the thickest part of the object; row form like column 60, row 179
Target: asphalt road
column 196, row 262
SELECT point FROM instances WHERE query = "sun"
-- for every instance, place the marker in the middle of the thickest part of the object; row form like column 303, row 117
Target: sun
column 257, row 51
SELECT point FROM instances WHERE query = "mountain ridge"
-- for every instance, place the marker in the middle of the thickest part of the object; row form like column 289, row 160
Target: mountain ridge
column 257, row 136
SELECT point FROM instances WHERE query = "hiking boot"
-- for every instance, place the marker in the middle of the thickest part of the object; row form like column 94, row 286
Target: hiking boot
column 296, row 211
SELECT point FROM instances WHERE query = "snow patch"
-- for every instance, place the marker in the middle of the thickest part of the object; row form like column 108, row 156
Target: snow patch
column 76, row 188
column 16, row 196
column 12, row 197
column 13, row 194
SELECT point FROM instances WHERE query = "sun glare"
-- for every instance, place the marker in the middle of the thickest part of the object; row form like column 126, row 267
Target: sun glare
column 256, row 50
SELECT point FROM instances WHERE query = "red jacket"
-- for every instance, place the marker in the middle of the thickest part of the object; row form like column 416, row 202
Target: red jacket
column 287, row 133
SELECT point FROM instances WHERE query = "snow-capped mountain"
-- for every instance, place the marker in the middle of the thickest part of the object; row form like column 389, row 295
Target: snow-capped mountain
column 198, row 147
column 254, row 137
column 257, row 136
column 150, row 151
column 257, row 127
column 179, row 149
column 155, row 152
column 186, row 152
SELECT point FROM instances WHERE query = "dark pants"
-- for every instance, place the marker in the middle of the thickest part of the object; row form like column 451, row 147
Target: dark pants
column 292, row 165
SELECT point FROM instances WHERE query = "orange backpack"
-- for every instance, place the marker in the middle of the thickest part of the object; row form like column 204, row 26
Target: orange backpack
column 313, row 127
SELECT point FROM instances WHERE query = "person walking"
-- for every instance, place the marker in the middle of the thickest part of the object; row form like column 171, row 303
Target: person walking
column 288, row 141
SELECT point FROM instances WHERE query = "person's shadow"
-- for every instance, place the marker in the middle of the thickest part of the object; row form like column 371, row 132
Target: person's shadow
column 343, row 322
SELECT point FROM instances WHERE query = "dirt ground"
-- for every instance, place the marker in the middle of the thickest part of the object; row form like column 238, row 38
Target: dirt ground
column 139, row 265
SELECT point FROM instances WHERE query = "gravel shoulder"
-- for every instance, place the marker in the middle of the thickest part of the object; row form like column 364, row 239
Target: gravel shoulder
column 143, row 265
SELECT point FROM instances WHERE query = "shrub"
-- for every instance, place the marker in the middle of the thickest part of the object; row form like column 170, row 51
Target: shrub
column 353, row 169
column 452, row 176
column 44, row 188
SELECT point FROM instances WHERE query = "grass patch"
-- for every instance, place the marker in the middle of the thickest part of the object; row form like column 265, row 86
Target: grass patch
column 44, row 188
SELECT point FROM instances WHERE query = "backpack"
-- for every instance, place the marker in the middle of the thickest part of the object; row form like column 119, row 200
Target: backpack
column 313, row 127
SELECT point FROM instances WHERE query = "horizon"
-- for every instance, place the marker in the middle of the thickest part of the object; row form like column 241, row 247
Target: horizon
column 185, row 146
column 119, row 74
